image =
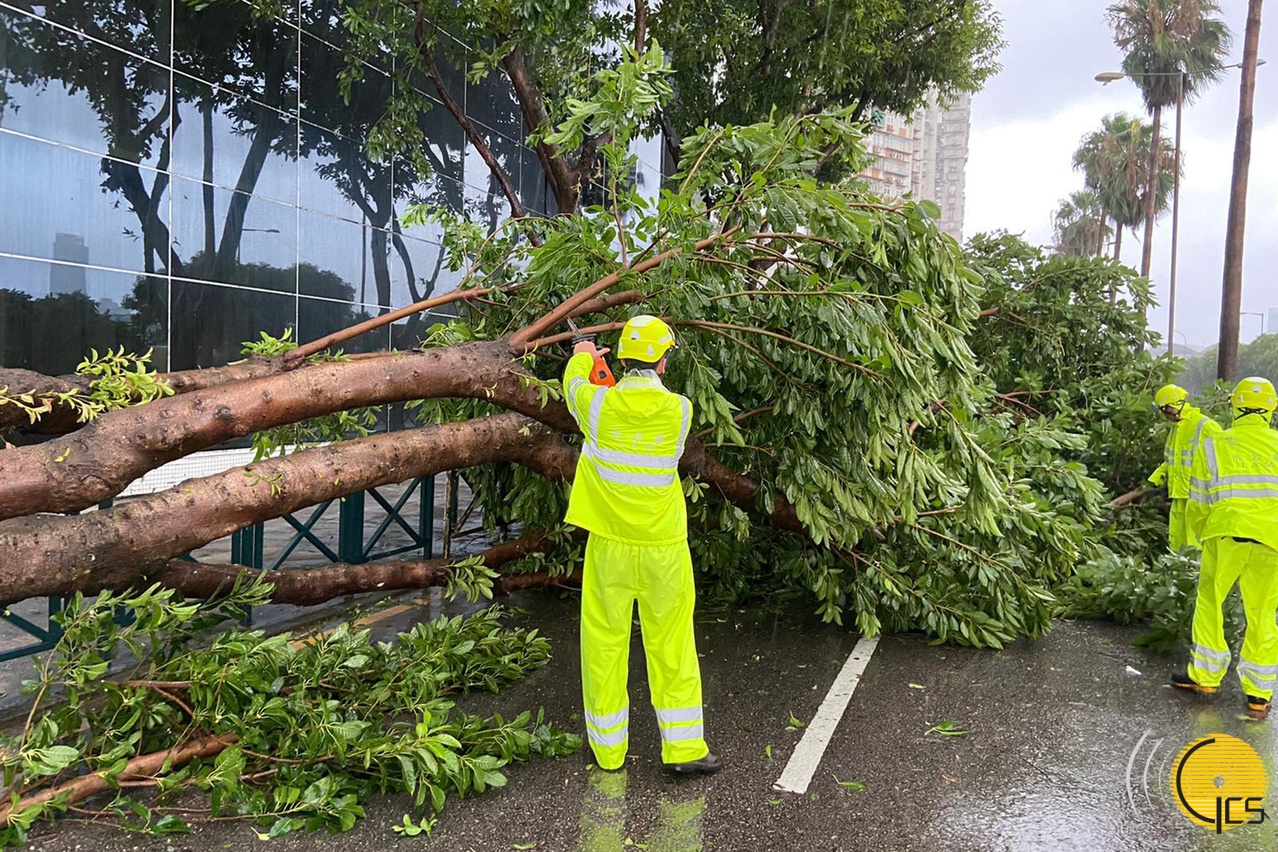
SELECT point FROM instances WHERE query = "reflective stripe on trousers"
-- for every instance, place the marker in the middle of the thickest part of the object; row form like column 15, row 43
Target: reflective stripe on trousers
column 1254, row 568
column 616, row 576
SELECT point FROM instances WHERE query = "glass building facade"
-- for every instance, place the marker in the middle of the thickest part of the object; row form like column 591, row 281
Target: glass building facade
column 181, row 180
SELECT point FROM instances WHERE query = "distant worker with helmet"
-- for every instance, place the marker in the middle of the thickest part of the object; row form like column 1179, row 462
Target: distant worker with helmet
column 1233, row 510
column 1189, row 427
column 627, row 494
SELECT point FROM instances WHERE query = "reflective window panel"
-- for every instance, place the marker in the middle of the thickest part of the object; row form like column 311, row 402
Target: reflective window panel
column 338, row 179
column 233, row 238
column 211, row 322
column 322, row 101
column 493, row 102
column 486, row 207
column 89, row 308
column 138, row 26
column 225, row 45
column 66, row 205
column 225, row 138
column 418, row 271
column 343, row 260
column 65, row 88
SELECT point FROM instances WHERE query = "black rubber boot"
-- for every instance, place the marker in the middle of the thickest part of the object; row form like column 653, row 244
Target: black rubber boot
column 1189, row 686
column 1257, row 708
column 707, row 765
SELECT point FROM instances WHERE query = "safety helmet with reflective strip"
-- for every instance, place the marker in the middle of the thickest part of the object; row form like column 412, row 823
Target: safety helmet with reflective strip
column 1254, row 394
column 645, row 338
column 1170, row 395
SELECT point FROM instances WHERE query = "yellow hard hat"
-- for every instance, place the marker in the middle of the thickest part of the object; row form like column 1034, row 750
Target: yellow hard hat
column 1254, row 395
column 645, row 338
column 1170, row 395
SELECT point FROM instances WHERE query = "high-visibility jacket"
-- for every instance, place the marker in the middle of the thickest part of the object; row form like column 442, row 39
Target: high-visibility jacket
column 1183, row 442
column 627, row 483
column 1234, row 487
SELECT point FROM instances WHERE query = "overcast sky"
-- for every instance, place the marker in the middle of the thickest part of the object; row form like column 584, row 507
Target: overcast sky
column 1029, row 119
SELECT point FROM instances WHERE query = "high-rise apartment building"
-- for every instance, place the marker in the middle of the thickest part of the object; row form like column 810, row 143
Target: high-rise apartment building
column 924, row 155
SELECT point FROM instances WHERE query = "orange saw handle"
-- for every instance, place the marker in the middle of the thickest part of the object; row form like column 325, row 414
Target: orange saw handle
column 600, row 374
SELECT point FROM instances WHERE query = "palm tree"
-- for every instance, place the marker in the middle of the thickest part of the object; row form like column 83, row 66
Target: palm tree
column 1115, row 163
column 1172, row 48
column 1231, row 292
column 1081, row 225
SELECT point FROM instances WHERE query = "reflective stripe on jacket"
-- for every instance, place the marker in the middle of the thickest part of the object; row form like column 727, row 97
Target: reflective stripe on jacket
column 1182, row 446
column 1234, row 488
column 627, row 483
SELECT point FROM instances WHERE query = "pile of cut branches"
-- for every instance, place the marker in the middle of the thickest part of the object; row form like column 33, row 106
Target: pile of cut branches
column 282, row 734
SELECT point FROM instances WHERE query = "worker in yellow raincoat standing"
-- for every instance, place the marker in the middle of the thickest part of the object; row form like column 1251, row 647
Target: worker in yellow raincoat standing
column 627, row 494
column 1233, row 509
column 1189, row 427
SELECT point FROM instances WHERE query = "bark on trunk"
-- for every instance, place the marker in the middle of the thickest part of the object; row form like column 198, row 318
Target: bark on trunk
column 100, row 460
column 1151, row 195
column 114, row 548
column 61, row 419
column 1231, row 293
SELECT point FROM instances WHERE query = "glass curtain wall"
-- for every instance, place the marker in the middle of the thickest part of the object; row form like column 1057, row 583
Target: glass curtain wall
column 180, row 181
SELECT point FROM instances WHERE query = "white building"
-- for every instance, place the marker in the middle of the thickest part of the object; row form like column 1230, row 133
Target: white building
column 924, row 155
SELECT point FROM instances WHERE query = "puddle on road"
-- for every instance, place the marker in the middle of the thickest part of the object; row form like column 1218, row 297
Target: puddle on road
column 1070, row 790
column 603, row 819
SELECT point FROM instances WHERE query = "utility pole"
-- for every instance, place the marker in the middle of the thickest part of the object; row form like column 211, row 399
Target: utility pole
column 1231, row 293
column 1171, row 303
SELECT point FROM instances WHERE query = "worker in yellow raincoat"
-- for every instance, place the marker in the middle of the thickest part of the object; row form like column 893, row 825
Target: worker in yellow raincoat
column 627, row 494
column 1233, row 509
column 1190, row 427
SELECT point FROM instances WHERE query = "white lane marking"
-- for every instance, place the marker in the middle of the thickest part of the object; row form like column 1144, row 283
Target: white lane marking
column 807, row 755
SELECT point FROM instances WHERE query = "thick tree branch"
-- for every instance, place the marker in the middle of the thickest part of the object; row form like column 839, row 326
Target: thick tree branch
column 311, row 586
column 100, row 460
column 146, row 766
column 467, row 126
column 115, row 548
column 563, row 180
column 519, row 341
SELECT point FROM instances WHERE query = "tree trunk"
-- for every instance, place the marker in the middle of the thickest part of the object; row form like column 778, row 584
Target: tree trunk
column 100, row 460
column 1151, row 195
column 120, row 546
column 1118, row 243
column 210, row 231
column 1231, row 292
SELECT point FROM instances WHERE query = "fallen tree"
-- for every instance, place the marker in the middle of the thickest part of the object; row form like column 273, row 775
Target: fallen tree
column 850, row 447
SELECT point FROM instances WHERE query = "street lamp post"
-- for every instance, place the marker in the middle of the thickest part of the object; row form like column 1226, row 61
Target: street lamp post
column 256, row 231
column 1256, row 314
column 1107, row 77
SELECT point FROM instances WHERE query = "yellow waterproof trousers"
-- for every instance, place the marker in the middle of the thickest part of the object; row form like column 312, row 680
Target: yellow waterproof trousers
column 1255, row 568
column 660, row 578
column 1179, row 533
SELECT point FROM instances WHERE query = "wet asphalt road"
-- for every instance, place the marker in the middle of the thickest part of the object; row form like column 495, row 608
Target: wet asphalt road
column 1052, row 727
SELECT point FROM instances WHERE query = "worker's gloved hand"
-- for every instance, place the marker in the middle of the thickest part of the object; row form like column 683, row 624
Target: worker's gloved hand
column 588, row 347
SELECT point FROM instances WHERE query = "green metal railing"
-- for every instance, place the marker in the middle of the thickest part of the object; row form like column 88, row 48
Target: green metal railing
column 248, row 545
